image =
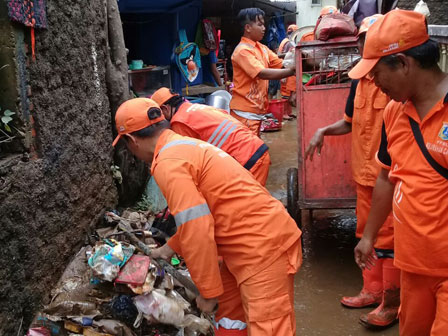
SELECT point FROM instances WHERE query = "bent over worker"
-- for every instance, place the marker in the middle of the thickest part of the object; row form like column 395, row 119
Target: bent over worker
column 220, row 209
column 218, row 128
column 413, row 183
column 364, row 118
column 253, row 65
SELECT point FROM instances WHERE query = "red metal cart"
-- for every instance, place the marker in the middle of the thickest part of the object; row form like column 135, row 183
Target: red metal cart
column 326, row 182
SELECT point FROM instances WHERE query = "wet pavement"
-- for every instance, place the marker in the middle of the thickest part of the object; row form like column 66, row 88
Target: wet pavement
column 328, row 271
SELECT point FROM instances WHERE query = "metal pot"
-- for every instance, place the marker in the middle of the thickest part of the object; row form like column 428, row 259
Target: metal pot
column 218, row 102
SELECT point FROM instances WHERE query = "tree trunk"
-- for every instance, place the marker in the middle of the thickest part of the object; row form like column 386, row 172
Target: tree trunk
column 134, row 171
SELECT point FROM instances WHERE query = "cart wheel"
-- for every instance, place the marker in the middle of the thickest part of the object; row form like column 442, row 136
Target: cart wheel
column 293, row 196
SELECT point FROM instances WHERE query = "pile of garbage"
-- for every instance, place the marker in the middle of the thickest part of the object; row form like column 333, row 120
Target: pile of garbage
column 112, row 287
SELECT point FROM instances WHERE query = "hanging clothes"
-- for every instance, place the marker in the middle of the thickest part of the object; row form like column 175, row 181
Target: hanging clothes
column 31, row 13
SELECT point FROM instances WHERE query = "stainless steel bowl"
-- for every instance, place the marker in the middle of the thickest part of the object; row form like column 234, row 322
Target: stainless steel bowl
column 218, row 102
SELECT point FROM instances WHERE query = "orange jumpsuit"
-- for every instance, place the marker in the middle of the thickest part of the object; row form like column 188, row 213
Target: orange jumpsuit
column 420, row 209
column 250, row 95
column 366, row 117
column 220, row 209
column 220, row 129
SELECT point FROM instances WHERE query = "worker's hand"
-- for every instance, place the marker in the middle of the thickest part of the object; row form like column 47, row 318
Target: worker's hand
column 365, row 255
column 317, row 141
column 164, row 252
column 207, row 305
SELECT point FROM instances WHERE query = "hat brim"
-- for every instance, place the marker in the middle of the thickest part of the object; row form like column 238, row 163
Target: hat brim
column 362, row 31
column 116, row 140
column 363, row 68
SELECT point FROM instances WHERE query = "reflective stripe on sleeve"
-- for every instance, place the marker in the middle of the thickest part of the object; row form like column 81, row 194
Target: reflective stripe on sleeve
column 191, row 214
column 221, row 133
column 229, row 324
column 221, row 125
column 227, row 135
column 178, row 142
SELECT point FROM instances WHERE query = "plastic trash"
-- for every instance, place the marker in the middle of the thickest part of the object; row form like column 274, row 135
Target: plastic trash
column 72, row 308
column 422, row 8
column 195, row 325
column 107, row 259
column 39, row 331
column 114, row 327
column 156, row 200
column 150, row 280
column 172, row 294
column 123, row 309
column 290, row 59
column 158, row 308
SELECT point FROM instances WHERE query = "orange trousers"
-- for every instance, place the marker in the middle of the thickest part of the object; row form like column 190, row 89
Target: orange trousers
column 265, row 301
column 424, row 305
column 385, row 238
column 254, row 125
column 260, row 169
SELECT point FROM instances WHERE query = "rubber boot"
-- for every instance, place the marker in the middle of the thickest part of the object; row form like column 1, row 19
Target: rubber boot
column 372, row 290
column 387, row 312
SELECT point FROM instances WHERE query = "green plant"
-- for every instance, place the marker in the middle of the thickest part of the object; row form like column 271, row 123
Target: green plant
column 6, row 119
column 5, row 128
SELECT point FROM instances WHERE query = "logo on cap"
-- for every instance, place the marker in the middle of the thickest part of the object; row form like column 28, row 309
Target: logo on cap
column 443, row 134
column 122, row 128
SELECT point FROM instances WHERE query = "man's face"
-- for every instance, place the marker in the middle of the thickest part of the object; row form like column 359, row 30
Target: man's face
column 256, row 29
column 167, row 111
column 393, row 81
column 136, row 147
column 360, row 42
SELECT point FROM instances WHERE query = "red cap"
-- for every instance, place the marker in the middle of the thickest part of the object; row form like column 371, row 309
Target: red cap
column 397, row 31
column 132, row 116
column 162, row 95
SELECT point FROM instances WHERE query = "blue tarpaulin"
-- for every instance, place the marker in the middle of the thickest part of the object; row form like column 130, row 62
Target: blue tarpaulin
column 152, row 6
column 151, row 30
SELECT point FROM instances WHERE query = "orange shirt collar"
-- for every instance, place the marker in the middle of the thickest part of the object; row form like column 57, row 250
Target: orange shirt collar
column 248, row 41
column 410, row 110
column 160, row 143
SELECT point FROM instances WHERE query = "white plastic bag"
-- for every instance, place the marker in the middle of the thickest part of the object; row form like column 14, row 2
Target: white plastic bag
column 290, row 59
column 422, row 8
column 155, row 306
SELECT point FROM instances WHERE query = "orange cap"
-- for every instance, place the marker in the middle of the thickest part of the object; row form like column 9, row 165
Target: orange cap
column 292, row 28
column 367, row 22
column 397, row 31
column 328, row 10
column 132, row 116
column 162, row 95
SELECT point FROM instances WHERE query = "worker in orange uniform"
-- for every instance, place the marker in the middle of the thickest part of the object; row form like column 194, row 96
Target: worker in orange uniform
column 253, row 66
column 413, row 182
column 219, row 209
column 364, row 118
column 288, row 85
column 218, row 128
column 324, row 11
